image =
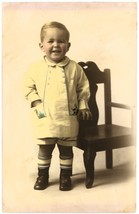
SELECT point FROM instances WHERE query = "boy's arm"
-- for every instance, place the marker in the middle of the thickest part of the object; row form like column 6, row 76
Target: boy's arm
column 30, row 90
column 83, row 91
column 31, row 93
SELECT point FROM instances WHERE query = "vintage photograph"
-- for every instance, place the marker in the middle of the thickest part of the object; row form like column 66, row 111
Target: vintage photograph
column 69, row 107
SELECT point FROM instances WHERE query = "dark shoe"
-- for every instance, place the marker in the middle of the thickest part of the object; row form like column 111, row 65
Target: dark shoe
column 41, row 183
column 89, row 181
column 65, row 183
column 42, row 180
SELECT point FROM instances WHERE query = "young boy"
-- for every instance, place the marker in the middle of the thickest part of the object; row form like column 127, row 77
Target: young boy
column 58, row 91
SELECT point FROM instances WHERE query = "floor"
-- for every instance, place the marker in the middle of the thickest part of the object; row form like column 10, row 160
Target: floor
column 113, row 190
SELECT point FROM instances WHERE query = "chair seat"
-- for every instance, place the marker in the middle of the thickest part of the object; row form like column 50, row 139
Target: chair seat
column 104, row 137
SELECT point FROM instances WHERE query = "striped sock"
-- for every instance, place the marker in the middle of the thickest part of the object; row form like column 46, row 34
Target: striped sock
column 43, row 163
column 66, row 162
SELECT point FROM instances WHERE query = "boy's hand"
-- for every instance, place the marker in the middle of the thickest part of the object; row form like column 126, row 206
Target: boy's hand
column 84, row 114
column 39, row 108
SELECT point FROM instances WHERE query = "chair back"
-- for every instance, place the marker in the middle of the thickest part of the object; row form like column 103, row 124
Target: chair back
column 95, row 77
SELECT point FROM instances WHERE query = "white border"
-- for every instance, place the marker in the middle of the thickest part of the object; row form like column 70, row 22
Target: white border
column 137, row 125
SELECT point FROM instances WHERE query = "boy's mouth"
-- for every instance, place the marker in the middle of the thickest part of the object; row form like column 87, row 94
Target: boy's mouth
column 56, row 51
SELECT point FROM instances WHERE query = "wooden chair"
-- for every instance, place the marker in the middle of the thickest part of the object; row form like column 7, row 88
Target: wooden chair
column 106, row 137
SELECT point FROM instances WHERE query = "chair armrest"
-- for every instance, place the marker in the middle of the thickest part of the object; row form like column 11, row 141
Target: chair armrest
column 119, row 105
column 122, row 106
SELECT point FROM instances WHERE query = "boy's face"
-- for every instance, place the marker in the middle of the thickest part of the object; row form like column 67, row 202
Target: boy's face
column 55, row 44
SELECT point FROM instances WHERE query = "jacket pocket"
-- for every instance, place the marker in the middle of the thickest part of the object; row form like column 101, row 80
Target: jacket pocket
column 38, row 114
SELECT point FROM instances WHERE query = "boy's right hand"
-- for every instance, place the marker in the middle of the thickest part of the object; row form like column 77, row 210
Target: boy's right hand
column 39, row 108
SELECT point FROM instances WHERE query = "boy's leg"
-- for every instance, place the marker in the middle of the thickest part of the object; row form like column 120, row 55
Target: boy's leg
column 44, row 161
column 45, row 155
column 66, row 160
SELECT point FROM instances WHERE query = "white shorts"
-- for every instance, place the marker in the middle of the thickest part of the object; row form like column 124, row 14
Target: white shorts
column 65, row 141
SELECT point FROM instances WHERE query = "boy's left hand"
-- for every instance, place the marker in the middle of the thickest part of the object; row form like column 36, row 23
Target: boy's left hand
column 84, row 114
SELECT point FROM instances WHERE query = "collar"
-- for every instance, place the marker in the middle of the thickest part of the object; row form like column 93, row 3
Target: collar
column 63, row 63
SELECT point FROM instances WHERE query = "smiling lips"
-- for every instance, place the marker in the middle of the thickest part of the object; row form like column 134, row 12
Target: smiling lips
column 56, row 51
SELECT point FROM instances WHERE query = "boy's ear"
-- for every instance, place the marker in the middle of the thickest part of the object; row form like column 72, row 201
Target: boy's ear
column 41, row 46
column 69, row 44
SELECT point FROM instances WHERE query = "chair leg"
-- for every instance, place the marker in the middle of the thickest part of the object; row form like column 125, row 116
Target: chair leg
column 89, row 158
column 109, row 159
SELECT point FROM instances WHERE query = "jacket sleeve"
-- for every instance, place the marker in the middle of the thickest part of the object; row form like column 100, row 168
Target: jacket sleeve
column 29, row 86
column 83, row 90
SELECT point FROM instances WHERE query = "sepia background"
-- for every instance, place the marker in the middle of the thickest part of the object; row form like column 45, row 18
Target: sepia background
column 101, row 32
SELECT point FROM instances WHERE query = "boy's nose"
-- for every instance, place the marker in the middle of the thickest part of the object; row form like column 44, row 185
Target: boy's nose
column 55, row 44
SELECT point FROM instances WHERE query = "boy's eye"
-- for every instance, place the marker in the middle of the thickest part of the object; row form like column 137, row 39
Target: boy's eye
column 61, row 41
column 50, row 41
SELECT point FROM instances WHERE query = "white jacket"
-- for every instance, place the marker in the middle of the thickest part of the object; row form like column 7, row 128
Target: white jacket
column 63, row 89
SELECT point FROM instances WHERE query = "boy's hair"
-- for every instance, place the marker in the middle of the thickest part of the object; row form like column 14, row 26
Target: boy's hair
column 53, row 24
